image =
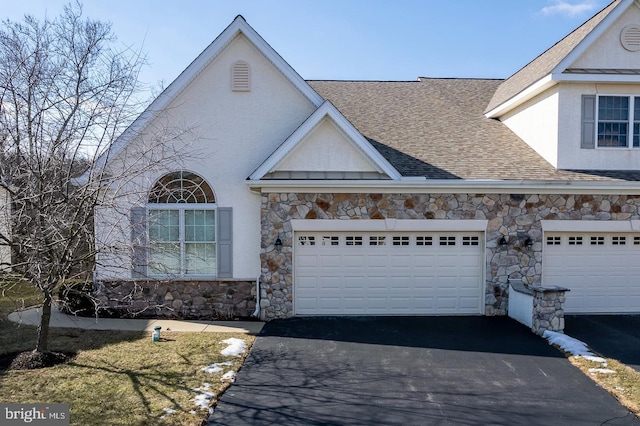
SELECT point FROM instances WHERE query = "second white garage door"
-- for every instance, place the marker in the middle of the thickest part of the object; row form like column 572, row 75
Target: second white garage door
column 388, row 273
column 602, row 270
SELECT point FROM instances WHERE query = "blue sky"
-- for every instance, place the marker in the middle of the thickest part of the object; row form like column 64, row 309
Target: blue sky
column 342, row 39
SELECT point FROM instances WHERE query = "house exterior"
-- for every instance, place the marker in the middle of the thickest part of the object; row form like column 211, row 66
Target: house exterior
column 5, row 229
column 384, row 198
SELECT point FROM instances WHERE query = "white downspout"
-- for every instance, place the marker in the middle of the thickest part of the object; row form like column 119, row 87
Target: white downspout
column 256, row 313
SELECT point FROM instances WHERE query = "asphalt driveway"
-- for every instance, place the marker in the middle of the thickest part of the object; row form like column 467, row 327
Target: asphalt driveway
column 411, row 371
column 612, row 336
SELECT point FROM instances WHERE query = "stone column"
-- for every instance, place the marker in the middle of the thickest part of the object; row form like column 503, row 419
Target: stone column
column 548, row 309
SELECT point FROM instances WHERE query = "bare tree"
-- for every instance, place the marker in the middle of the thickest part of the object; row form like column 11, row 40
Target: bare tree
column 66, row 94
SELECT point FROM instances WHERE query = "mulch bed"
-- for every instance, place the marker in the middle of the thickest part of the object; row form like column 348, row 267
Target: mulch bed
column 31, row 360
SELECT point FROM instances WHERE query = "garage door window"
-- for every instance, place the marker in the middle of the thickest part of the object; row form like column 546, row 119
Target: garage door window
column 448, row 241
column 470, row 241
column 618, row 240
column 424, row 241
column 331, row 240
column 401, row 240
column 377, row 240
column 354, row 241
column 306, row 240
column 575, row 241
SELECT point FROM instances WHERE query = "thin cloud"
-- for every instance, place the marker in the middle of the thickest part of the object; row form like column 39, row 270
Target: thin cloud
column 562, row 7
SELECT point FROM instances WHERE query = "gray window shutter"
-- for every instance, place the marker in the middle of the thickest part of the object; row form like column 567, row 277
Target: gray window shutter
column 225, row 246
column 588, row 122
column 138, row 217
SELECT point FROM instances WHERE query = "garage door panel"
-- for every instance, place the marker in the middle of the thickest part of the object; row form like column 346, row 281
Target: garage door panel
column 469, row 302
column 307, row 261
column 330, row 261
column 330, row 283
column 353, row 261
column 389, row 273
column 446, row 303
column 602, row 276
column 307, row 282
column 423, row 304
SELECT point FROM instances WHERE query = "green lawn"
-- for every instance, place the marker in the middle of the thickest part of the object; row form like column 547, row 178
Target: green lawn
column 117, row 378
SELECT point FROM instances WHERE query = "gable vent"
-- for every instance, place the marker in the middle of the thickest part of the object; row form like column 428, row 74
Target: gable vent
column 630, row 37
column 240, row 77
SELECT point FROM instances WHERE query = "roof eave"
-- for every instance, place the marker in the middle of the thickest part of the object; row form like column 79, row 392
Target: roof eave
column 435, row 186
column 530, row 92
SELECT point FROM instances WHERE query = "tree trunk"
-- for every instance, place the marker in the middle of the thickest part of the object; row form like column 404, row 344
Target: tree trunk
column 43, row 328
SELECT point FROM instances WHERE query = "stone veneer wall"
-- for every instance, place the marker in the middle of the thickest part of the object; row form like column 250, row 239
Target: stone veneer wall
column 548, row 309
column 511, row 216
column 184, row 299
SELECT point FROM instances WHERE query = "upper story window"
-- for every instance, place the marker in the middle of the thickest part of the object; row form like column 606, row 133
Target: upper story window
column 618, row 122
column 182, row 226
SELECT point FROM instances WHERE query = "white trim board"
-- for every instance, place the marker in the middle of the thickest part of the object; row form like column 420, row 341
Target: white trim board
column 590, row 225
column 406, row 225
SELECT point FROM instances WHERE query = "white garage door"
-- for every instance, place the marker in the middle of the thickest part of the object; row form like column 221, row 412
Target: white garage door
column 601, row 269
column 388, row 273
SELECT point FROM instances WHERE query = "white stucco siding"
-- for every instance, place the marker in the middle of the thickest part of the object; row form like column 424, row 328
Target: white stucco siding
column 570, row 154
column 536, row 123
column 5, row 228
column 607, row 52
column 228, row 135
column 112, row 233
column 326, row 148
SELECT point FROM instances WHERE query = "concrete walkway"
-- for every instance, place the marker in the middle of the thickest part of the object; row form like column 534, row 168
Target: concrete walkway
column 31, row 316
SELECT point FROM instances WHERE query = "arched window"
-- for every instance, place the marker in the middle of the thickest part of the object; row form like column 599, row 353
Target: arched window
column 181, row 187
column 182, row 226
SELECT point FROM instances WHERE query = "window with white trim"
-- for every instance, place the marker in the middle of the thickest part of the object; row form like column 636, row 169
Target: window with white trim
column 618, row 122
column 182, row 226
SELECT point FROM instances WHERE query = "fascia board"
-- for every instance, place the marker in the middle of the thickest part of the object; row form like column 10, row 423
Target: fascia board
column 326, row 109
column 448, row 186
column 590, row 38
column 238, row 26
column 528, row 93
column 596, row 78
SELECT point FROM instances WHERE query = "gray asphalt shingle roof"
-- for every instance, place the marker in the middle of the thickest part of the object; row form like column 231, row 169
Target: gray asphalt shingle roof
column 436, row 128
column 546, row 62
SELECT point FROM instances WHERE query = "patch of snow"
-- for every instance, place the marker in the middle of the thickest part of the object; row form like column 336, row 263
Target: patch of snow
column 193, row 412
column 229, row 376
column 167, row 411
column 594, row 359
column 568, row 344
column 216, row 367
column 235, row 347
column 203, row 400
column 601, row 371
column 205, row 387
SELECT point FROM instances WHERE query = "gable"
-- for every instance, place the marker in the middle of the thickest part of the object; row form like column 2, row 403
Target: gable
column 326, row 149
column 237, row 32
column 608, row 53
column 326, row 146
column 538, row 75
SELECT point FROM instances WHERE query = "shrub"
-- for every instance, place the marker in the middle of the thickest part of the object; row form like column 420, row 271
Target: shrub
column 76, row 298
